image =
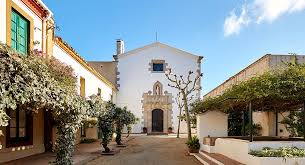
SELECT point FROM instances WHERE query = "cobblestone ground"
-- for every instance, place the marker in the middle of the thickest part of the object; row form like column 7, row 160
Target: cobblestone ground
column 150, row 150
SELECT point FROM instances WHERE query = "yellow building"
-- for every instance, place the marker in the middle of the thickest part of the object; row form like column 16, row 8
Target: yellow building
column 28, row 25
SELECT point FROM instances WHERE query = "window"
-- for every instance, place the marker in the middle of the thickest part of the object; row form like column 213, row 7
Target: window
column 20, row 129
column 82, row 87
column 83, row 131
column 99, row 92
column 158, row 67
column 19, row 33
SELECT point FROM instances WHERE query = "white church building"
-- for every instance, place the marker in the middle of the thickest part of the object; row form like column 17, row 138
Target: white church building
column 143, row 86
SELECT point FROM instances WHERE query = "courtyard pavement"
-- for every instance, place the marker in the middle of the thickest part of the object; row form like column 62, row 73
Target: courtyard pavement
column 150, row 150
column 141, row 149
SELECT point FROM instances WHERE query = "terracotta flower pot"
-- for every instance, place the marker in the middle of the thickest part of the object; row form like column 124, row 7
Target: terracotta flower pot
column 193, row 150
column 170, row 130
column 144, row 130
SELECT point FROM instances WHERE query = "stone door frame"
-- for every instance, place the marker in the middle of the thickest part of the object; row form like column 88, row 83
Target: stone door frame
column 151, row 102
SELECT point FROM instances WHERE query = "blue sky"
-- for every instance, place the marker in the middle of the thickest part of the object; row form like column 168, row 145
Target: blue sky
column 230, row 34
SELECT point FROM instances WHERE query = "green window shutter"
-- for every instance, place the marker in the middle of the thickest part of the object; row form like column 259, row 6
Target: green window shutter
column 19, row 33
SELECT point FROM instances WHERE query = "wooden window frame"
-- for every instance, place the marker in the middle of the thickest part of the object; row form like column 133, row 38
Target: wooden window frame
column 27, row 47
column 82, row 87
column 10, row 6
column 83, row 131
column 99, row 92
column 20, row 141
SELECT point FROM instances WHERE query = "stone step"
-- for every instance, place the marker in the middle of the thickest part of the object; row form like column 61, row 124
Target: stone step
column 157, row 133
column 220, row 159
column 204, row 160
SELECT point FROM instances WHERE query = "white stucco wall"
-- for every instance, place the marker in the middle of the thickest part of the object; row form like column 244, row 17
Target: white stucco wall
column 3, row 21
column 212, row 123
column 36, row 19
column 92, row 83
column 136, row 79
column 228, row 148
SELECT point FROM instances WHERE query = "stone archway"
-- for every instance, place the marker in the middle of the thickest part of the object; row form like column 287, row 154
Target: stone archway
column 157, row 120
column 157, row 100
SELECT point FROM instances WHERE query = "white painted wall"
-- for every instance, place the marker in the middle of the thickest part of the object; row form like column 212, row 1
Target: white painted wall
column 136, row 79
column 92, row 83
column 3, row 21
column 238, row 150
column 212, row 123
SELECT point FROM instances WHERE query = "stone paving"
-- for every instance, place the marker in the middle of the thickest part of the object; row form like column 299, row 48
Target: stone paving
column 150, row 150
column 141, row 149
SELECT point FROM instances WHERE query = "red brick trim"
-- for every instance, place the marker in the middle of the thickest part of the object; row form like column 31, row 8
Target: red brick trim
column 36, row 7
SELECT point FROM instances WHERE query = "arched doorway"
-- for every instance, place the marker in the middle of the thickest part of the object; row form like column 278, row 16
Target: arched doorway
column 157, row 120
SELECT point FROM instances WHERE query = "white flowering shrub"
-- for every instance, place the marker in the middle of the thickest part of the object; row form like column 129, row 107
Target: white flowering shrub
column 44, row 84
column 122, row 117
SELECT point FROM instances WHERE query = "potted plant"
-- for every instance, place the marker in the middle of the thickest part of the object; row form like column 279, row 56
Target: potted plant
column 170, row 130
column 144, row 130
column 193, row 144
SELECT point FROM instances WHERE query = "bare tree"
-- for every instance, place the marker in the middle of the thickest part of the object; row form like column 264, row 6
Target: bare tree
column 185, row 88
column 180, row 104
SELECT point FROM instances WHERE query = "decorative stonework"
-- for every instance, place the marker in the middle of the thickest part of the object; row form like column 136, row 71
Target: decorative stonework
column 155, row 100
column 165, row 66
column 198, row 73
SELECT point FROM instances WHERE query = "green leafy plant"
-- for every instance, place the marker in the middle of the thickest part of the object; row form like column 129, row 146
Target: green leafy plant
column 105, row 124
column 122, row 117
column 285, row 152
column 256, row 129
column 294, row 123
column 193, row 144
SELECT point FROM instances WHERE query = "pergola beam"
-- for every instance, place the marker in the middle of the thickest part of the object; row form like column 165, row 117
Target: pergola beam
column 276, row 122
column 251, row 121
column 244, row 124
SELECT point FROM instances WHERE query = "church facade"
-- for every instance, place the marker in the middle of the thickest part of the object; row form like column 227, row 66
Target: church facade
column 143, row 86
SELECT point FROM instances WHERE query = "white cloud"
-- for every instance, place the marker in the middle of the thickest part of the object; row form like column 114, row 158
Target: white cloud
column 233, row 23
column 261, row 11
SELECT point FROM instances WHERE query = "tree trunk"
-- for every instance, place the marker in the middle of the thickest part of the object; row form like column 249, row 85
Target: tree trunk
column 178, row 132
column 107, row 150
column 188, row 122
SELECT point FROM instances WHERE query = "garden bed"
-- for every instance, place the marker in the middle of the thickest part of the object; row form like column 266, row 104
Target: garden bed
column 285, row 152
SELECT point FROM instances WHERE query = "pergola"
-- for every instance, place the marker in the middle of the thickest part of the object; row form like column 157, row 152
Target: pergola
column 264, row 106
column 275, row 91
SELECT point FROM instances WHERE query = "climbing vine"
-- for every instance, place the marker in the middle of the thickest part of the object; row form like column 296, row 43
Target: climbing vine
column 37, row 83
column 281, row 89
